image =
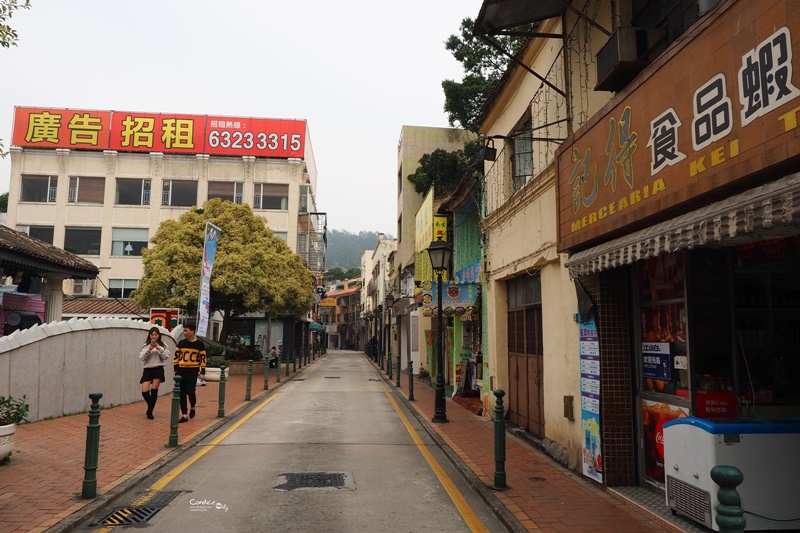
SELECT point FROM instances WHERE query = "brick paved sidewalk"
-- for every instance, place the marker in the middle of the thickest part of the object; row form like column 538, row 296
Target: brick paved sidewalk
column 41, row 486
column 542, row 496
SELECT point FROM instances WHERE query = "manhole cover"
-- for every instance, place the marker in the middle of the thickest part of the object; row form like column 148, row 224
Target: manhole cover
column 315, row 480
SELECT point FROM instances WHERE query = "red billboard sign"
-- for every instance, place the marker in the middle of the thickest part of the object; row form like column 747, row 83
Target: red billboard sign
column 158, row 132
column 61, row 128
column 155, row 132
column 259, row 137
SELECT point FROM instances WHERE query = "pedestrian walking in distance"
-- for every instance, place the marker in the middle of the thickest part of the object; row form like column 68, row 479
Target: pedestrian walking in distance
column 154, row 355
column 189, row 362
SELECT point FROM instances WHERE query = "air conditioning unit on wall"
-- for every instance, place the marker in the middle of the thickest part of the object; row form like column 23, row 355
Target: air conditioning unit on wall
column 82, row 287
column 625, row 55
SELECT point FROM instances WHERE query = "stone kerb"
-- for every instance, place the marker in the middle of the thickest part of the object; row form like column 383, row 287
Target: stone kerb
column 57, row 365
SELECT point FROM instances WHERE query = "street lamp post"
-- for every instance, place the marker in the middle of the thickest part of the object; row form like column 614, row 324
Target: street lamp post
column 439, row 252
column 389, row 302
column 370, row 348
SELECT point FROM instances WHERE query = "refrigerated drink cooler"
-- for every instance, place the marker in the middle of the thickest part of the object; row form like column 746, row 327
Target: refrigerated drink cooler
column 767, row 453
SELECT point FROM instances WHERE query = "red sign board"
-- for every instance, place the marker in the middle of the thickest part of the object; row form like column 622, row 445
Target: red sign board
column 715, row 404
column 158, row 132
column 155, row 132
column 259, row 137
column 61, row 128
column 719, row 105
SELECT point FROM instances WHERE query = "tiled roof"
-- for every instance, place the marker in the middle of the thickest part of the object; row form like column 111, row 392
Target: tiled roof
column 21, row 250
column 101, row 306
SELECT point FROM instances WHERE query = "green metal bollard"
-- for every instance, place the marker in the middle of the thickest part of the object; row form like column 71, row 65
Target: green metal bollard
column 410, row 380
column 399, row 369
column 175, row 414
column 249, row 380
column 221, row 411
column 389, row 366
column 294, row 362
column 278, row 369
column 730, row 516
column 266, row 372
column 92, row 448
column 287, row 363
column 499, row 443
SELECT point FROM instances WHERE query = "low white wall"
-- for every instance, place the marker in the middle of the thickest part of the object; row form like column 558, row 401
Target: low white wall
column 57, row 365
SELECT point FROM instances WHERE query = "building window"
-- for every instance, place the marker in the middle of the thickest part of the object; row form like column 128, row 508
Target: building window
column 282, row 235
column 82, row 241
column 86, row 190
column 132, row 192
column 122, row 288
column 225, row 190
column 38, row 189
column 522, row 154
column 128, row 241
column 271, row 196
column 43, row 233
column 179, row 193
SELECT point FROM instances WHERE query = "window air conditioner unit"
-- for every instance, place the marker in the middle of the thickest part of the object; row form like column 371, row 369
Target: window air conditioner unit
column 625, row 55
column 82, row 287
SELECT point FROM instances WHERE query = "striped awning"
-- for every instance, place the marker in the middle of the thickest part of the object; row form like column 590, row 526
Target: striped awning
column 769, row 211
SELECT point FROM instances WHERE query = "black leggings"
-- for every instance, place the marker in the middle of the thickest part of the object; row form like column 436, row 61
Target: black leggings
column 188, row 388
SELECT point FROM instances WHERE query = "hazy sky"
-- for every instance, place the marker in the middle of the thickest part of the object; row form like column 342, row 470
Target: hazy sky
column 355, row 70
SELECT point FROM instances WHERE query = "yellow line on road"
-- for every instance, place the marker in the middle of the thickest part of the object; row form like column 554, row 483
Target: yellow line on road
column 461, row 504
column 164, row 481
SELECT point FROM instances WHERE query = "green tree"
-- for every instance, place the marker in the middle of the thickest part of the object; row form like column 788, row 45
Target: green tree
column 444, row 170
column 483, row 64
column 8, row 35
column 253, row 270
column 335, row 274
column 352, row 273
column 4, row 202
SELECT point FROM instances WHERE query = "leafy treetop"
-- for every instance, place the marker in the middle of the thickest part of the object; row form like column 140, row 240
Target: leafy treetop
column 253, row 270
column 483, row 66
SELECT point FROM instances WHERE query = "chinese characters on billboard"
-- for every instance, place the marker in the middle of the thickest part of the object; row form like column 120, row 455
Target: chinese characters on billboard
column 158, row 132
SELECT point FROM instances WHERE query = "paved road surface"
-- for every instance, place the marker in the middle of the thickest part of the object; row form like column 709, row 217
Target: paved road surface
column 331, row 451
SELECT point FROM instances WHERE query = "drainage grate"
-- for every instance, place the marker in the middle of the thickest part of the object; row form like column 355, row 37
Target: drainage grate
column 315, row 480
column 375, row 379
column 538, row 478
column 333, row 377
column 141, row 509
column 128, row 516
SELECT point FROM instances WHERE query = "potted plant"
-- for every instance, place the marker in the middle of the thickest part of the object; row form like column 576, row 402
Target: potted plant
column 12, row 412
column 213, row 369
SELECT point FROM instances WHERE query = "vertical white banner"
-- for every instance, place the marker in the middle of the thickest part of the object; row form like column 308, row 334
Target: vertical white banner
column 209, row 253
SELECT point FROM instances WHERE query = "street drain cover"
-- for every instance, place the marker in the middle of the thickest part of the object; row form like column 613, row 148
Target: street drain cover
column 315, row 480
column 141, row 509
column 128, row 516
column 333, row 377
column 538, row 478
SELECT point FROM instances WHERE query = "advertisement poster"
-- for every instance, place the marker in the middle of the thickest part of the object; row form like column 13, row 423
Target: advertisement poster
column 654, row 416
column 656, row 362
column 457, row 298
column 209, row 253
column 590, row 400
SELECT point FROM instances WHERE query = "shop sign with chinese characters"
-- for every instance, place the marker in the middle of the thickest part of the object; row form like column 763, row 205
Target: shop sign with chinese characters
column 158, row 132
column 714, row 109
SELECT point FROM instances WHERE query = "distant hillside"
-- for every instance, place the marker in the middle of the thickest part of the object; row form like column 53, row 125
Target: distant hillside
column 345, row 249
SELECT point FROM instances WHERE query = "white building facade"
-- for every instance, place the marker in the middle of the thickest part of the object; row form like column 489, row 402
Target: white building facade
column 100, row 183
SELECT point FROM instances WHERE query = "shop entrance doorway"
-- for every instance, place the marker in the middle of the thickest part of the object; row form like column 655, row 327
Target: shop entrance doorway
column 526, row 368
